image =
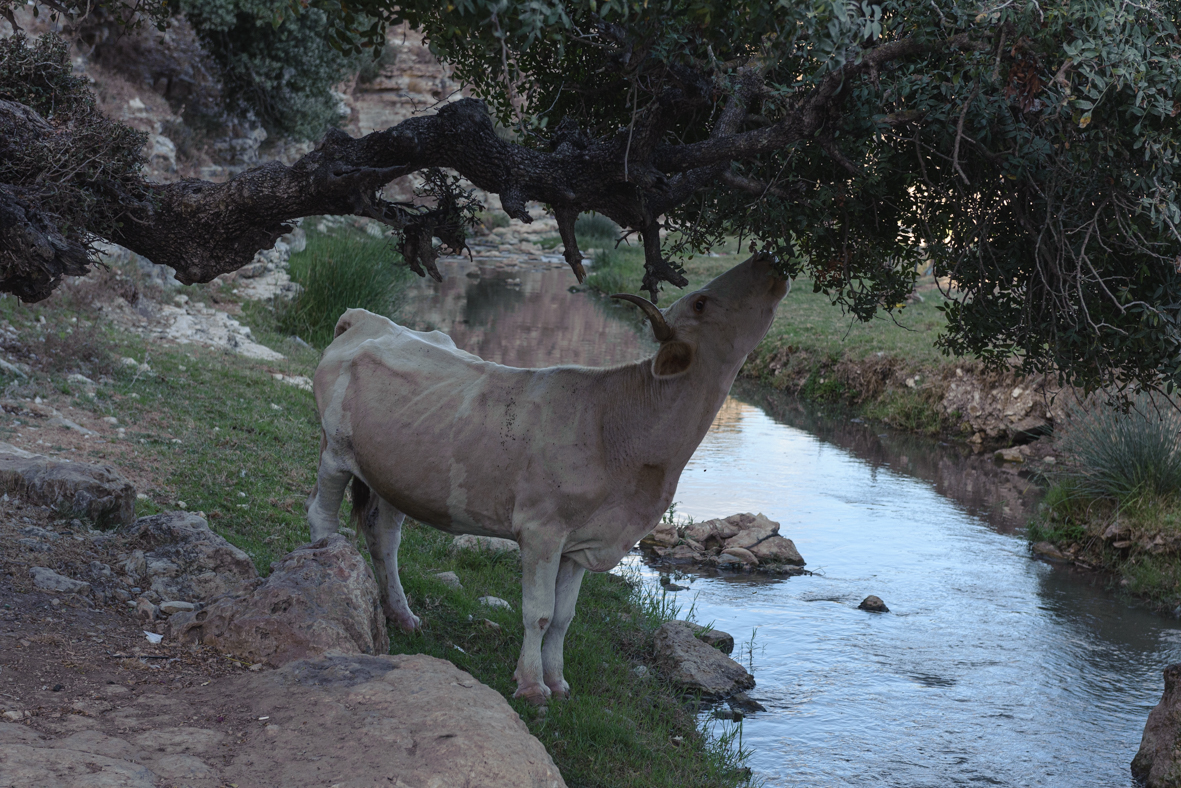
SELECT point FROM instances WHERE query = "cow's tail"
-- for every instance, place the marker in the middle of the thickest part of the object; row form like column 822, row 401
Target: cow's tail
column 344, row 324
column 364, row 505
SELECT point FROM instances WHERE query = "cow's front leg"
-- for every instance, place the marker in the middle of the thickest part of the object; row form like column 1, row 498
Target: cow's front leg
column 570, row 575
column 539, row 573
column 382, row 525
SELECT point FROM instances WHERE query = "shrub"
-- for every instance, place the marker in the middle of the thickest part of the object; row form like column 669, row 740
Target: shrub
column 283, row 73
column 595, row 229
column 1125, row 453
column 339, row 272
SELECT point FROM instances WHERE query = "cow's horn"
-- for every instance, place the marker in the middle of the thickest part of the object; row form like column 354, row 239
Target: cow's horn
column 660, row 328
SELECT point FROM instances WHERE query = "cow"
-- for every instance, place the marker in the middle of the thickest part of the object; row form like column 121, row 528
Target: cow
column 575, row 464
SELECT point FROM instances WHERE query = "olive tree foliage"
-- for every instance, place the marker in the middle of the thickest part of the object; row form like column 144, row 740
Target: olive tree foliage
column 1024, row 152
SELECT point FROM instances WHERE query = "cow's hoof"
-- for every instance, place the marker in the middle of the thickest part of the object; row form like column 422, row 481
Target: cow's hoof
column 559, row 690
column 407, row 622
column 535, row 695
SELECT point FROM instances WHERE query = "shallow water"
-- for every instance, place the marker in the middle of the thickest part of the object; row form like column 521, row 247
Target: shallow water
column 991, row 668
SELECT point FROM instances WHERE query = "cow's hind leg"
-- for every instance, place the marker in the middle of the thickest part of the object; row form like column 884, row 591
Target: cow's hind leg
column 325, row 500
column 382, row 525
column 570, row 574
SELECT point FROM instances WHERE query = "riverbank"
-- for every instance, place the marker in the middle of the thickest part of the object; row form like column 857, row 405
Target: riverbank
column 888, row 370
column 93, row 375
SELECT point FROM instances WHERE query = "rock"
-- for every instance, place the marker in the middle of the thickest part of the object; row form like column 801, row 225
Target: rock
column 696, row 666
column 777, row 550
column 1048, row 550
column 663, row 535
column 745, row 557
column 722, row 641
column 1012, row 454
column 39, row 533
column 145, row 610
column 1158, row 762
column 32, row 765
column 681, row 554
column 489, row 544
column 75, row 489
column 136, row 566
column 744, row 703
column 173, row 606
column 318, row 598
column 754, row 529
column 352, row 712
column 449, row 579
column 179, row 557
column 48, row 580
column 495, row 602
column 873, row 604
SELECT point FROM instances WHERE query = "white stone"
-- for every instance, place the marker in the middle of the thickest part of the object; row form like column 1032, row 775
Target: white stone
column 494, row 601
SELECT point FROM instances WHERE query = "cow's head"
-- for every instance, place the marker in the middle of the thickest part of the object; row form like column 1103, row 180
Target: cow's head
column 717, row 326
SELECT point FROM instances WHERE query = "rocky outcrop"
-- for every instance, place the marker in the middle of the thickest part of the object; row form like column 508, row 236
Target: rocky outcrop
column 175, row 556
column 319, row 598
column 741, row 542
column 74, row 489
column 1158, row 762
column 697, row 666
column 408, row 720
column 413, row 716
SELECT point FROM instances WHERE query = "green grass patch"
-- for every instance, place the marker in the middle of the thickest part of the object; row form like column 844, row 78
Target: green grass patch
column 1137, row 542
column 337, row 272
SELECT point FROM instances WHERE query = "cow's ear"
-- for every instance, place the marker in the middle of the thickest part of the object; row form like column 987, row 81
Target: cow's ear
column 673, row 358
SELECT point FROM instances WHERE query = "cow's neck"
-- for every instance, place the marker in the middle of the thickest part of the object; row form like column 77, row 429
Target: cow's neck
column 661, row 421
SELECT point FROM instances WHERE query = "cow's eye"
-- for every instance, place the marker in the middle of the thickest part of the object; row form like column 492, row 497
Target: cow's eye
column 699, row 305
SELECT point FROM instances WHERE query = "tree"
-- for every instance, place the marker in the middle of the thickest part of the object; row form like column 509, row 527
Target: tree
column 1025, row 153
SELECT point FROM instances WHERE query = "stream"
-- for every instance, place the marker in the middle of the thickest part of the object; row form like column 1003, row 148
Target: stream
column 991, row 668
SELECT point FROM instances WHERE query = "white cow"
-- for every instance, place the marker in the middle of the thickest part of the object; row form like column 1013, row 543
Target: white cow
column 575, row 464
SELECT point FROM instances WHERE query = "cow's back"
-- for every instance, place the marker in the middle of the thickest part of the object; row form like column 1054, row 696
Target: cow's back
column 412, row 409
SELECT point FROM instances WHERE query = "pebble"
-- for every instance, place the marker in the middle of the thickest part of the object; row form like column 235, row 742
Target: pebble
column 449, row 579
column 171, row 606
column 494, row 601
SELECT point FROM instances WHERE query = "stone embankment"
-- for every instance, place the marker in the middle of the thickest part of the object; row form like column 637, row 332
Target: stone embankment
column 741, row 542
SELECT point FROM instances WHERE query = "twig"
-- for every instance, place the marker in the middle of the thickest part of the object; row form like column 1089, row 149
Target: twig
column 959, row 133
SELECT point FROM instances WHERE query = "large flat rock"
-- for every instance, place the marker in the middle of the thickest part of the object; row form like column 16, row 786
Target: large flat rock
column 345, row 721
column 76, row 489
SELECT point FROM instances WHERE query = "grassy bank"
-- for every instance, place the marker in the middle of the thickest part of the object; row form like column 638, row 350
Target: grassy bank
column 887, row 369
column 214, row 432
column 1116, row 505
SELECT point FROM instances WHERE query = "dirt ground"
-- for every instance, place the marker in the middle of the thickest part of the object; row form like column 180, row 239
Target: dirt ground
column 68, row 664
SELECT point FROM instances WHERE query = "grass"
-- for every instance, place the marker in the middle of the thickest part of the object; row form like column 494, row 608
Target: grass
column 618, row 729
column 337, row 272
column 220, row 433
column 819, row 353
column 1116, row 503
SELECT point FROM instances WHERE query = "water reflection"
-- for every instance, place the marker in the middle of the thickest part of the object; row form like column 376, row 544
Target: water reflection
column 522, row 315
